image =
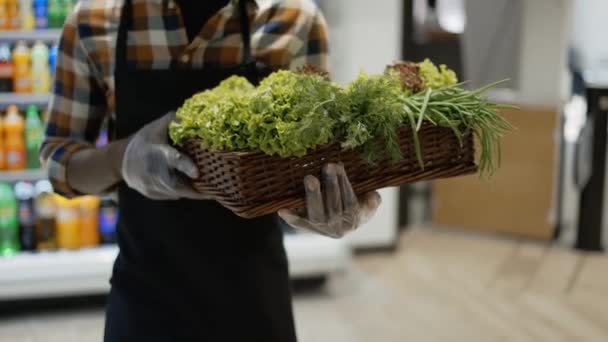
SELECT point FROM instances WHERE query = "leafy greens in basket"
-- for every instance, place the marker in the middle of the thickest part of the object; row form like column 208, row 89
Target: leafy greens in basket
column 290, row 113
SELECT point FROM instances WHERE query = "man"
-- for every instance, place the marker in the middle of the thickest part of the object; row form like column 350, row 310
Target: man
column 188, row 269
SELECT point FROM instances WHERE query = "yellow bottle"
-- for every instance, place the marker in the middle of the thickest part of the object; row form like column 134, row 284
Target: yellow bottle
column 26, row 15
column 3, row 15
column 22, row 81
column 2, row 152
column 89, row 220
column 14, row 142
column 67, row 223
column 40, row 74
column 12, row 14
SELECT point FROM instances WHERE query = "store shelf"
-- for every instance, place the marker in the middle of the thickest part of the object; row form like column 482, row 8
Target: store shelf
column 23, row 100
column 24, row 175
column 56, row 273
column 49, row 35
column 87, row 271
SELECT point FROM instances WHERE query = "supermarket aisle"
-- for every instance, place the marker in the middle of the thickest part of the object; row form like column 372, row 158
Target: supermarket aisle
column 440, row 286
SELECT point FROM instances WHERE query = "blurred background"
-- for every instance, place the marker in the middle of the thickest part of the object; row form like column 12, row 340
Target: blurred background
column 519, row 257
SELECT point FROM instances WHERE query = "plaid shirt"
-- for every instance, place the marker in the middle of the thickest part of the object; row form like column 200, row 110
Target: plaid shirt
column 285, row 34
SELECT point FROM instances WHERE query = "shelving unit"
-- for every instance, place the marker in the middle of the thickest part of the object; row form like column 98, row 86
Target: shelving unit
column 48, row 35
column 23, row 100
column 24, row 175
column 87, row 271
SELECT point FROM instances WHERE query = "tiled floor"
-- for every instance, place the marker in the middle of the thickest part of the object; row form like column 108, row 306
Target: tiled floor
column 440, row 286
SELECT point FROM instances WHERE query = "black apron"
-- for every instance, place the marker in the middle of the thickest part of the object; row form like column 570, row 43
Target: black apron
column 191, row 270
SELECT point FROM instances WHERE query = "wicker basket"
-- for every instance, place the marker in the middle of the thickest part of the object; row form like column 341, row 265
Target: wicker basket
column 253, row 184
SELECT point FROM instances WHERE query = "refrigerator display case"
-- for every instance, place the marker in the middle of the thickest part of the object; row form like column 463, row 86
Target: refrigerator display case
column 87, row 271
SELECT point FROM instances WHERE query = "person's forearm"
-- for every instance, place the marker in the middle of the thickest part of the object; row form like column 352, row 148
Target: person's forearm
column 96, row 170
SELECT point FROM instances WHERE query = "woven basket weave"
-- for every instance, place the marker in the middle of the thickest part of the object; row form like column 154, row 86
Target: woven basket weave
column 253, row 184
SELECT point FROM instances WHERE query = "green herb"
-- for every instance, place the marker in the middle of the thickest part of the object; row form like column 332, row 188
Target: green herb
column 381, row 103
column 375, row 112
column 436, row 77
column 290, row 113
column 465, row 111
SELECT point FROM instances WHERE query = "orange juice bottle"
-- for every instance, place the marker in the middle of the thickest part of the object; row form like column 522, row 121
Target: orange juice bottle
column 14, row 142
column 2, row 152
column 67, row 223
column 89, row 212
column 13, row 15
column 3, row 15
column 22, row 81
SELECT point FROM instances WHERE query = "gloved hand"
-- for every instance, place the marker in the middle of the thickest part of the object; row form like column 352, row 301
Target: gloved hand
column 152, row 167
column 334, row 211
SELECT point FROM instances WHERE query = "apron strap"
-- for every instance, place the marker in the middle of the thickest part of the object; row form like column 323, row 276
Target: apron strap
column 126, row 16
column 245, row 33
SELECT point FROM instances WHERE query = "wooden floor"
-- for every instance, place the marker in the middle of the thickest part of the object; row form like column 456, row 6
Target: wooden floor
column 439, row 286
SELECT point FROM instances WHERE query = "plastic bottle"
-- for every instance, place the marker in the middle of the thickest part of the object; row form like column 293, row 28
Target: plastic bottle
column 45, row 209
column 22, row 80
column 89, row 225
column 26, row 14
column 41, row 14
column 14, row 145
column 9, row 228
column 13, row 15
column 44, row 114
column 24, row 192
column 55, row 14
column 108, row 218
column 41, row 75
column 67, row 6
column 3, row 15
column 2, row 151
column 53, row 59
column 68, row 223
column 7, row 69
column 34, row 133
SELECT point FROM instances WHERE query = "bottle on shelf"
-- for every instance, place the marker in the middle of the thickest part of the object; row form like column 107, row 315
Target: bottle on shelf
column 13, row 15
column 7, row 69
column 34, row 133
column 68, row 223
column 44, row 114
column 26, row 15
column 22, row 80
column 56, row 15
column 46, row 209
column 53, row 59
column 14, row 145
column 9, row 228
column 41, row 75
column 2, row 151
column 68, row 6
column 89, row 224
column 41, row 18
column 24, row 192
column 108, row 218
column 3, row 15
